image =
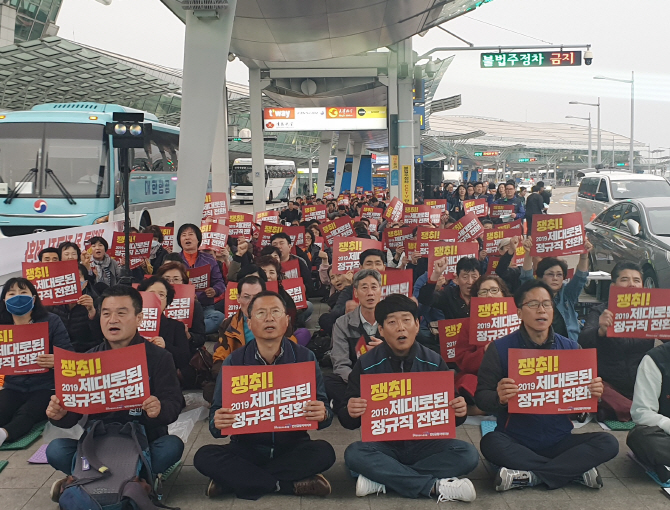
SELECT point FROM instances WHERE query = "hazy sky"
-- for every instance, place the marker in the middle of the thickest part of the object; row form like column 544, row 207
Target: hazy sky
column 626, row 35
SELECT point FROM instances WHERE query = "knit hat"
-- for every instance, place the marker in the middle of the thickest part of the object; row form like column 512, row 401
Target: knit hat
column 193, row 227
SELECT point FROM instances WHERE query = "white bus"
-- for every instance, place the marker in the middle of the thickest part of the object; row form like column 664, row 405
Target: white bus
column 280, row 180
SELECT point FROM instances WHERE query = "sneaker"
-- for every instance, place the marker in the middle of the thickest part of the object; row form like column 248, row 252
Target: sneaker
column 455, row 489
column 512, row 479
column 313, row 486
column 591, row 479
column 213, row 490
column 365, row 486
column 57, row 489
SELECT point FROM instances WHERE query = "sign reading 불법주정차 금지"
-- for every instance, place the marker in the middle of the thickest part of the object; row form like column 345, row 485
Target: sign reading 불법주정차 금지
column 639, row 313
column 492, row 318
column 20, row 345
column 102, row 382
column 412, row 405
column 269, row 398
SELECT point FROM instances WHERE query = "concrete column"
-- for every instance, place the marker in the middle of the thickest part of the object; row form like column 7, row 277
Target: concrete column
column 356, row 165
column 257, row 147
column 310, row 182
column 220, row 158
column 324, row 159
column 406, row 119
column 342, row 149
column 206, row 47
column 392, row 102
column 7, row 24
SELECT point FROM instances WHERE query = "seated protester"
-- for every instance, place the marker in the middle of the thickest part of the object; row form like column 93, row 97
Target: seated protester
column 171, row 333
column 24, row 398
column 510, row 198
column 347, row 332
column 291, row 213
column 158, row 253
column 137, row 274
column 336, row 282
column 509, row 274
column 428, row 316
column 120, row 316
column 361, row 229
column 536, row 448
column 189, row 238
column 104, row 267
column 49, row 255
column 241, row 256
column 79, row 318
column 313, row 255
column 282, row 241
column 272, row 271
column 70, row 251
column 253, row 465
column 618, row 358
column 452, row 300
column 411, row 468
column 553, row 272
column 175, row 274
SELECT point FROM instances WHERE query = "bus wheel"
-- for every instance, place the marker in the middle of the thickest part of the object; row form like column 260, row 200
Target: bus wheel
column 270, row 197
column 145, row 221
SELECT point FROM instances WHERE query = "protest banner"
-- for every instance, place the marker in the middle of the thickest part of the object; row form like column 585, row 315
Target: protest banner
column 140, row 248
column 416, row 215
column 374, row 226
column 319, row 242
column 168, row 238
column 269, row 398
column 468, row 228
column 478, row 206
column 347, row 250
column 397, row 281
column 492, row 318
column 182, row 305
column 553, row 381
column 453, row 334
column 517, row 261
column 295, row 287
column 267, row 217
column 199, row 277
column 394, row 210
column 240, row 225
column 454, row 252
column 339, row 227
column 639, row 313
column 151, row 315
column 57, row 283
column 291, row 269
column 314, row 212
column 296, row 234
column 501, row 211
column 343, row 200
column 231, row 304
column 216, row 206
column 20, row 345
column 436, row 203
column 408, row 406
column 512, row 225
column 558, row 235
column 492, row 239
column 394, row 238
column 214, row 236
column 103, row 381
column 373, row 213
column 427, row 235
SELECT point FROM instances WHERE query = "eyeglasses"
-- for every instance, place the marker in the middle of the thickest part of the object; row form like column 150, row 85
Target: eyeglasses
column 534, row 305
column 486, row 292
column 554, row 275
column 174, row 279
column 261, row 315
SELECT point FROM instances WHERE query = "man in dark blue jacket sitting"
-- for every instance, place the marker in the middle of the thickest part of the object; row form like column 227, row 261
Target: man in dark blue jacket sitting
column 411, row 468
column 252, row 465
column 536, row 448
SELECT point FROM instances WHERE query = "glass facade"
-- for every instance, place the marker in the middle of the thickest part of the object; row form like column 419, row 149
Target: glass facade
column 32, row 17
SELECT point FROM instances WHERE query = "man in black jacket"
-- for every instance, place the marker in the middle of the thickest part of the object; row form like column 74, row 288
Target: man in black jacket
column 411, row 468
column 282, row 241
column 618, row 358
column 453, row 300
column 534, row 204
column 120, row 316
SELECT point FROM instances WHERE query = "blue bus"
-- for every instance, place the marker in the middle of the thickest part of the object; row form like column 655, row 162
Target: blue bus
column 58, row 169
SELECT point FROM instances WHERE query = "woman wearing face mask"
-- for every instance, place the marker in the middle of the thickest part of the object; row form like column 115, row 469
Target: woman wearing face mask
column 158, row 253
column 25, row 398
column 79, row 318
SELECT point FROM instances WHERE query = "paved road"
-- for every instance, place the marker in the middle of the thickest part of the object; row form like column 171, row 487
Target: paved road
column 563, row 200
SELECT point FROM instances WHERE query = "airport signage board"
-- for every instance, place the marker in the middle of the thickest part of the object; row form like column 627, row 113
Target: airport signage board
column 523, row 59
column 350, row 118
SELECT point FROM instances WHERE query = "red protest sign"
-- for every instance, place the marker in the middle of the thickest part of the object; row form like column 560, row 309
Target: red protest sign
column 240, row 224
column 267, row 217
column 492, row 318
column 468, row 228
column 151, row 313
column 231, row 304
column 140, row 248
column 57, row 283
column 436, row 203
column 343, row 200
column 373, row 213
column 216, row 206
column 347, row 250
column 416, row 215
column 495, row 259
column 296, row 234
column 639, row 313
column 426, row 235
column 214, row 236
column 295, row 287
column 500, row 211
column 314, row 212
column 453, row 334
column 454, row 252
column 553, row 381
column 394, row 210
column 492, row 238
column 182, row 305
column 291, row 268
column 374, row 226
column 199, row 277
column 394, row 238
column 168, row 238
column 558, row 235
column 478, row 206
column 339, row 227
column 102, row 382
column 269, row 398
column 19, row 347
column 513, row 225
column 397, row 281
column 406, row 406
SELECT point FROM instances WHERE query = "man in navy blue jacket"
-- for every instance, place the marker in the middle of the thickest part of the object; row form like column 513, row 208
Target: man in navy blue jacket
column 536, row 448
column 252, row 465
column 413, row 469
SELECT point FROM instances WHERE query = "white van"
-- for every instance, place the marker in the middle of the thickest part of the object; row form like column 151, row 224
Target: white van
column 599, row 190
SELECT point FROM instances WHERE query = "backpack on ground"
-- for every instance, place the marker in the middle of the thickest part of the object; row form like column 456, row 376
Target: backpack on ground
column 320, row 344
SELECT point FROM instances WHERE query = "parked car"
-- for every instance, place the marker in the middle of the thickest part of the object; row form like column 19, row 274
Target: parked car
column 635, row 230
column 599, row 190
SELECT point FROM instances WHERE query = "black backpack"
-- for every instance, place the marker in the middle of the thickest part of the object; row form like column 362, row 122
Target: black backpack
column 320, row 344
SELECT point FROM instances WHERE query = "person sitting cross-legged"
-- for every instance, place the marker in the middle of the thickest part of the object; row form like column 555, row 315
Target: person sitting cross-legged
column 427, row 467
column 531, row 449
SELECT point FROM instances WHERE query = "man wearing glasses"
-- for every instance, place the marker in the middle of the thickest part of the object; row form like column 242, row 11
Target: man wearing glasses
column 510, row 198
column 534, row 449
column 253, row 465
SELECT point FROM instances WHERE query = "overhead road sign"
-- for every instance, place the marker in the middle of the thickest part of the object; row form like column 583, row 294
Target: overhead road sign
column 350, row 118
column 527, row 160
column 531, row 59
column 486, row 154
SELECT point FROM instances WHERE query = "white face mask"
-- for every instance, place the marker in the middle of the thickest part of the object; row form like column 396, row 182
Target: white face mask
column 154, row 247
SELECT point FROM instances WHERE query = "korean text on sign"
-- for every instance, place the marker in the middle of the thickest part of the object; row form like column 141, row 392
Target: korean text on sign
column 214, row 236
column 639, row 313
column 553, row 381
column 479, row 206
column 394, row 238
column 199, row 277
column 151, row 315
column 182, row 305
column 347, row 250
column 20, row 345
column 269, row 398
column 492, row 318
column 558, row 235
column 397, row 281
column 454, row 252
column 216, row 206
column 102, row 382
column 295, row 287
column 468, row 227
column 408, row 406
column 139, row 247
column 57, row 283
column 339, row 227
column 453, row 335
column 394, row 211
column 314, row 212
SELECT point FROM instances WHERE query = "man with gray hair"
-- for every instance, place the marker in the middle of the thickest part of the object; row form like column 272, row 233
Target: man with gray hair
column 354, row 334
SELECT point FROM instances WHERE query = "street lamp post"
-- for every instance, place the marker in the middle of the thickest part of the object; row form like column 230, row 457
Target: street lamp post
column 589, row 121
column 599, row 158
column 631, row 155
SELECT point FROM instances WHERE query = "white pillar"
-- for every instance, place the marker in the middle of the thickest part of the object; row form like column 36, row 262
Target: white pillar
column 356, row 165
column 392, row 102
column 342, row 149
column 324, row 159
column 7, row 24
column 220, row 157
column 406, row 119
column 310, row 181
column 257, row 147
column 206, row 47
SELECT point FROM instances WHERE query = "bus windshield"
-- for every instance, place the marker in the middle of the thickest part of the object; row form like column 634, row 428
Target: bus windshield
column 241, row 175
